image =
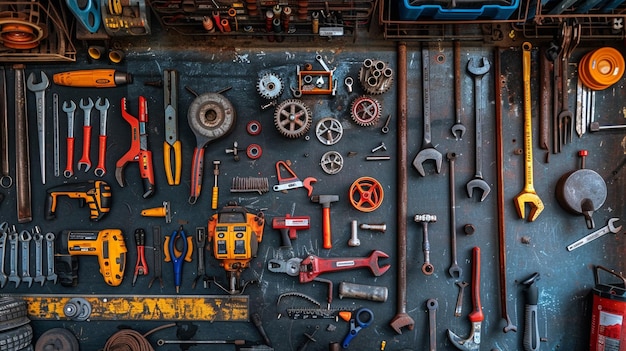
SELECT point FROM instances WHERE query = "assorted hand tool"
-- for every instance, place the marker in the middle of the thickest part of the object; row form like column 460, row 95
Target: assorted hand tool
column 40, row 100
column 103, row 108
column 531, row 326
column 178, row 255
column 69, row 108
column 22, row 153
column 172, row 147
column 141, row 267
column 85, row 160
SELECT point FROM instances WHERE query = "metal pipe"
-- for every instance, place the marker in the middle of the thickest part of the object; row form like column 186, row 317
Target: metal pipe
column 22, row 155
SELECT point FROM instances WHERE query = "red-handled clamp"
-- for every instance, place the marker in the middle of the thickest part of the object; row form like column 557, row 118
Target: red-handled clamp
column 138, row 151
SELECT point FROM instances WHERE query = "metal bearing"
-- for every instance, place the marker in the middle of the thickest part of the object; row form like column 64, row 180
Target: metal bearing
column 254, row 151
column 253, row 127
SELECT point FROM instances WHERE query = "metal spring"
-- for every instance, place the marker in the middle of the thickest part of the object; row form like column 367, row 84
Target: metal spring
column 250, row 184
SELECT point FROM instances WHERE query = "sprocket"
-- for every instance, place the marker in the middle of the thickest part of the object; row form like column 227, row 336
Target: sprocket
column 270, row 86
column 375, row 76
column 292, row 118
column 365, row 111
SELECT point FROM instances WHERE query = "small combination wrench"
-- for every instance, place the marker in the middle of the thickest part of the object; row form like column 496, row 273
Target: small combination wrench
column 40, row 99
column 609, row 228
column 38, row 239
column 13, row 241
column 69, row 108
column 103, row 108
column 24, row 239
column 86, row 158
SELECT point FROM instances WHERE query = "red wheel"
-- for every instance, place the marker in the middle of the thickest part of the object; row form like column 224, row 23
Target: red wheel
column 254, row 151
column 366, row 194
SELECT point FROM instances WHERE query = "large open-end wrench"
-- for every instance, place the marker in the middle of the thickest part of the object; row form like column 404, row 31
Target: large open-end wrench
column 13, row 253
column 608, row 228
column 25, row 238
column 528, row 195
column 312, row 266
column 4, row 229
column 69, row 108
column 458, row 129
column 478, row 71
column 50, row 273
column 38, row 239
column 101, row 169
column 40, row 102
column 85, row 160
column 472, row 343
column 428, row 151
column 455, row 270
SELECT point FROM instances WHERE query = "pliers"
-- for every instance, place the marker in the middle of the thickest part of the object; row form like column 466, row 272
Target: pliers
column 141, row 267
column 178, row 256
column 172, row 149
column 138, row 151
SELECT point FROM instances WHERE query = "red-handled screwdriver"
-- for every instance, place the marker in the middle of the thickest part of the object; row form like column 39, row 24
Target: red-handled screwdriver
column 141, row 268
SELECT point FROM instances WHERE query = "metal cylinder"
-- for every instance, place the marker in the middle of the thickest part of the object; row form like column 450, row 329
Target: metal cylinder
column 22, row 154
column 363, row 292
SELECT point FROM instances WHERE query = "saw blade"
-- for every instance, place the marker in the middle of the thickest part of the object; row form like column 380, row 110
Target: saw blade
column 315, row 313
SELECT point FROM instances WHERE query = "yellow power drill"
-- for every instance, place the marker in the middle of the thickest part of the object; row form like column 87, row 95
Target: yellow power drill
column 96, row 194
column 107, row 244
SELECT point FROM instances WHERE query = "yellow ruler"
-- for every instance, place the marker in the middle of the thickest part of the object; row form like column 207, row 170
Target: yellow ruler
column 212, row 308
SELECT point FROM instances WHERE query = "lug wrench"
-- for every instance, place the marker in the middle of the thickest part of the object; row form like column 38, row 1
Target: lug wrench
column 458, row 129
column 5, row 181
column 432, row 305
column 22, row 154
column 402, row 318
column 428, row 151
column 455, row 270
column 40, row 100
column 38, row 239
column 427, row 267
column 69, row 109
column 101, row 170
column 51, row 275
column 85, row 159
column 501, row 203
column 4, row 229
column 478, row 72
column 13, row 240
column 528, row 195
column 25, row 238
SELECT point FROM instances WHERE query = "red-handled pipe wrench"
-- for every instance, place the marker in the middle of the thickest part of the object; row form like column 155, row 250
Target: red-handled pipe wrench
column 101, row 170
column 472, row 343
column 138, row 151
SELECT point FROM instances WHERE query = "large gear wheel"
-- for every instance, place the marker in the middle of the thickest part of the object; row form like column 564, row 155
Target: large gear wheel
column 365, row 111
column 270, row 86
column 375, row 76
column 292, row 118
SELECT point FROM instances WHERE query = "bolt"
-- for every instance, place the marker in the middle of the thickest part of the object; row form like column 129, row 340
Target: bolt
column 234, row 151
column 377, row 158
column 354, row 235
column 469, row 229
column 273, row 103
column 376, row 227
column 380, row 147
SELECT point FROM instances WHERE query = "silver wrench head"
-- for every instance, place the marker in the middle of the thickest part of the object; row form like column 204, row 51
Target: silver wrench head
column 611, row 225
column 69, row 107
column 426, row 155
column 102, row 106
column 458, row 130
column 478, row 71
column 478, row 183
column 86, row 106
column 37, row 87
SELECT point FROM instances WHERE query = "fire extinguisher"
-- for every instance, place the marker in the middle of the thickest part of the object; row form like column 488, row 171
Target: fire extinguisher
column 608, row 317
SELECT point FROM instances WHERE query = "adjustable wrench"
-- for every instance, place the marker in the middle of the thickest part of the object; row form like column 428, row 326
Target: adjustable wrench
column 428, row 151
column 50, row 275
column 25, row 238
column 478, row 72
column 40, row 100
column 13, row 240
column 101, row 170
column 85, row 159
column 432, row 305
column 38, row 239
column 69, row 109
column 4, row 229
column 609, row 228
column 528, row 195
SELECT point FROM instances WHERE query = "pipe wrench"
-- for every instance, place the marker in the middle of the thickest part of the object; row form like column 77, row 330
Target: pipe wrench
column 138, row 151
column 172, row 149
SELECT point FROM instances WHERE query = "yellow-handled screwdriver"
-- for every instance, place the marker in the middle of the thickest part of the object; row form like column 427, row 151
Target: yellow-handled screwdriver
column 216, row 190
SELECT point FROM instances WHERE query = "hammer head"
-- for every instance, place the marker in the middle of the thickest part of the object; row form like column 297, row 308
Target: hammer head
column 325, row 200
column 470, row 344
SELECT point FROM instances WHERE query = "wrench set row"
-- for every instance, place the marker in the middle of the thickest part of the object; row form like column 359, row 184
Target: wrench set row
column 19, row 248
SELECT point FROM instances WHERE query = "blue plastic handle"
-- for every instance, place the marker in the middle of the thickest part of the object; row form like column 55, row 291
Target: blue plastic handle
column 89, row 16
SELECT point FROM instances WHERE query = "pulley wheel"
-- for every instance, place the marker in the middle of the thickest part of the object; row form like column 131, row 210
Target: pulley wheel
column 366, row 194
column 58, row 339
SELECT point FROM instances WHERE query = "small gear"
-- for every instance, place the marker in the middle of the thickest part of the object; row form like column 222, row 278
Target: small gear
column 375, row 76
column 270, row 86
column 365, row 111
column 292, row 118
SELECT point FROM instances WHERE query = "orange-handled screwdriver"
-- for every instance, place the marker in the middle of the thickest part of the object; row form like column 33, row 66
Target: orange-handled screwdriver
column 92, row 78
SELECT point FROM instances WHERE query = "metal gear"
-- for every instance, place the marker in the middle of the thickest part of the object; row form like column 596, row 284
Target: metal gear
column 292, row 118
column 375, row 76
column 270, row 86
column 365, row 111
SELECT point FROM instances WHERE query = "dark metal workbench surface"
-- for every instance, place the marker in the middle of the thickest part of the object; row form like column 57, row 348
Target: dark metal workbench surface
column 566, row 276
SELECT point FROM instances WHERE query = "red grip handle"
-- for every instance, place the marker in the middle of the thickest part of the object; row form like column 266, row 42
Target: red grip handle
column 196, row 174
column 477, row 310
column 328, row 243
column 147, row 173
column 86, row 144
column 69, row 169
column 102, row 151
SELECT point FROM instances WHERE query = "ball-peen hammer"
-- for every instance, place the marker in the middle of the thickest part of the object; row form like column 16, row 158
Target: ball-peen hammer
column 325, row 201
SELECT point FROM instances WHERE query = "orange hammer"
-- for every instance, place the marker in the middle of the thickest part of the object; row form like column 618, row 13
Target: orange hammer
column 325, row 201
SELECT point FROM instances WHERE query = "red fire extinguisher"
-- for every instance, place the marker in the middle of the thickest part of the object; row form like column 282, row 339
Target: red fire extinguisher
column 608, row 317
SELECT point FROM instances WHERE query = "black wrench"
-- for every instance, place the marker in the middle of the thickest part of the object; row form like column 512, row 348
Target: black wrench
column 428, row 151
column 478, row 72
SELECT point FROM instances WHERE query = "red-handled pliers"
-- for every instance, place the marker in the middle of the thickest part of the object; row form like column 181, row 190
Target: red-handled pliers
column 138, row 151
column 141, row 267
